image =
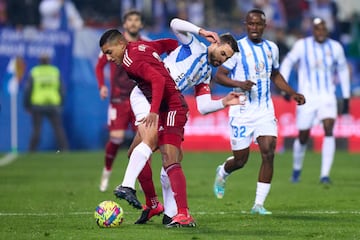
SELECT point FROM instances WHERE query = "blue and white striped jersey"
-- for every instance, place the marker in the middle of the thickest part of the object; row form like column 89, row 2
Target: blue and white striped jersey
column 188, row 64
column 318, row 64
column 254, row 62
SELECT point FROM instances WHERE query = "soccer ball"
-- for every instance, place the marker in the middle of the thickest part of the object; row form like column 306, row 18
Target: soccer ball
column 109, row 214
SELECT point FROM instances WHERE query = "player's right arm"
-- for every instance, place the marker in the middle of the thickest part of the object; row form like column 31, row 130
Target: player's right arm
column 206, row 104
column 184, row 30
column 99, row 72
column 291, row 58
column 222, row 78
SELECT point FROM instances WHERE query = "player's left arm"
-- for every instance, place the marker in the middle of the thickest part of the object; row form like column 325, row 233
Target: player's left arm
column 182, row 28
column 149, row 74
column 343, row 71
column 280, row 82
column 205, row 103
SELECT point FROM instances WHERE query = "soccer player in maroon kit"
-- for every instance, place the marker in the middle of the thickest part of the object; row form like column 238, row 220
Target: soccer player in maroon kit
column 120, row 115
column 168, row 111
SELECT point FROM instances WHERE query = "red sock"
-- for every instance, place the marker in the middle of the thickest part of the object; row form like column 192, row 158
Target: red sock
column 110, row 154
column 147, row 185
column 178, row 186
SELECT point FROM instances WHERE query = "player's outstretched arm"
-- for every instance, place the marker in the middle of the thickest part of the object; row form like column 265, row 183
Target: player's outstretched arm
column 280, row 82
column 221, row 77
column 205, row 103
column 234, row 98
column 182, row 28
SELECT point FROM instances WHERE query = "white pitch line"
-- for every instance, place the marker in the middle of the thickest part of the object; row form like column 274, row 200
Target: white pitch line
column 7, row 159
column 194, row 213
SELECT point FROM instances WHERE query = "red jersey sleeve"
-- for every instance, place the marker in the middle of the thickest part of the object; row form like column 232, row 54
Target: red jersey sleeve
column 201, row 89
column 99, row 69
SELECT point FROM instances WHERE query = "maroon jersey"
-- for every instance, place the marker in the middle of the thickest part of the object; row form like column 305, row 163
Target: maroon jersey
column 143, row 64
column 120, row 83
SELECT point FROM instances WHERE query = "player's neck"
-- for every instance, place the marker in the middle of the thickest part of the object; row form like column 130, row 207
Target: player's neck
column 131, row 38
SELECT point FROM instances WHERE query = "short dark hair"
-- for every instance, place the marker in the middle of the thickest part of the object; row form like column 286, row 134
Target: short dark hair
column 130, row 13
column 110, row 35
column 229, row 39
column 258, row 11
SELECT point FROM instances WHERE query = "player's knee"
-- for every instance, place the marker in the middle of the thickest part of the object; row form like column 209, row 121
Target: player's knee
column 117, row 140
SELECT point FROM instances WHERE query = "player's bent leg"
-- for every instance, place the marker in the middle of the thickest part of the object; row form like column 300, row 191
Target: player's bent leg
column 328, row 151
column 136, row 141
column 153, row 206
column 104, row 181
column 220, row 179
column 137, row 161
column 171, row 158
column 237, row 161
column 111, row 149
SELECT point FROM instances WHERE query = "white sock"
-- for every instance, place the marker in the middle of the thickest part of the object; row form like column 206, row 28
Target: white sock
column 222, row 170
column 262, row 190
column 137, row 161
column 328, row 151
column 298, row 154
column 170, row 207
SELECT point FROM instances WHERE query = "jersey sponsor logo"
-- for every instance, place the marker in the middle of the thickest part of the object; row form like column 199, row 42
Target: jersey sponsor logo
column 179, row 77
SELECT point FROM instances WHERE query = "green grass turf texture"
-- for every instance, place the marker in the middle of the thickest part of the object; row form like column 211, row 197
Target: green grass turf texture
column 54, row 195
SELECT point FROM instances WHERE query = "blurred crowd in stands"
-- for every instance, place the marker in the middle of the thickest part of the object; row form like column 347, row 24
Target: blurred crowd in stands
column 287, row 19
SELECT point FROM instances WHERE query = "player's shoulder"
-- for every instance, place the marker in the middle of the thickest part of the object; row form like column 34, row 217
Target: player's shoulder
column 272, row 46
column 270, row 43
column 138, row 47
column 242, row 40
column 334, row 43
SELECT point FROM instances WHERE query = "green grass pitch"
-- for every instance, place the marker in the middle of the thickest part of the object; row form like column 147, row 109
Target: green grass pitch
column 54, row 195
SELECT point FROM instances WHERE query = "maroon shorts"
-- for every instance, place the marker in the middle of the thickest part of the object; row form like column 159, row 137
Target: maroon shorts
column 120, row 116
column 171, row 127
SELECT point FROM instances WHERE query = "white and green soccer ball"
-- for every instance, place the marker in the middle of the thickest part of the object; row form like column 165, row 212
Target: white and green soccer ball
column 109, row 214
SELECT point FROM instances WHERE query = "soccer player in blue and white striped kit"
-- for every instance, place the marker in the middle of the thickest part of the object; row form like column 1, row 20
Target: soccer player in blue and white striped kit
column 250, row 71
column 319, row 58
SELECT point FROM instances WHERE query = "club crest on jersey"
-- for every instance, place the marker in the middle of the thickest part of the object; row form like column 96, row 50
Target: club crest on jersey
column 142, row 47
column 259, row 67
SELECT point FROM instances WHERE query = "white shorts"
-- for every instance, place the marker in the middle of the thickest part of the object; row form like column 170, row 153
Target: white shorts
column 243, row 132
column 139, row 105
column 315, row 110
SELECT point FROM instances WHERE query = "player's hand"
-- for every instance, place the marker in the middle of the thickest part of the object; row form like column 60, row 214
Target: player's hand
column 246, row 85
column 234, row 98
column 104, row 92
column 299, row 98
column 151, row 120
column 212, row 37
